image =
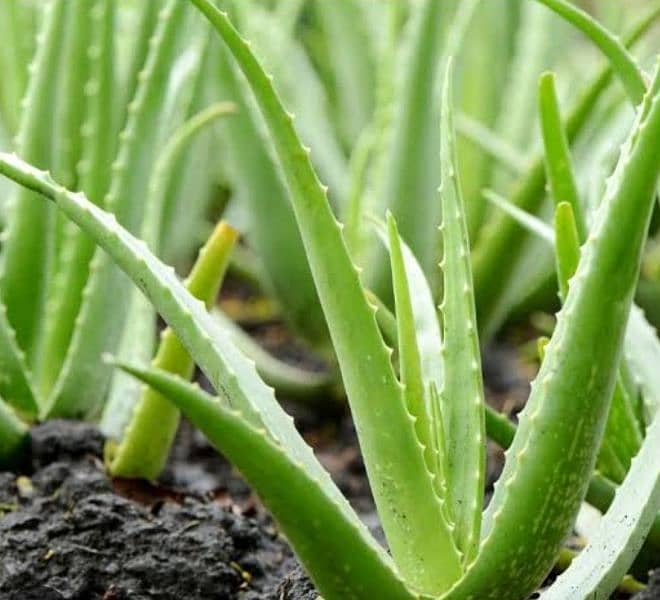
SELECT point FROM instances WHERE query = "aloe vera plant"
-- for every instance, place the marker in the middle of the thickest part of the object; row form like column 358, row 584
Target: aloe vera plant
column 419, row 409
column 73, row 306
column 421, row 432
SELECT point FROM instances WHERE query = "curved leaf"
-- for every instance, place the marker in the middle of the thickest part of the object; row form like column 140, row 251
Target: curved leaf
column 402, row 487
column 311, row 520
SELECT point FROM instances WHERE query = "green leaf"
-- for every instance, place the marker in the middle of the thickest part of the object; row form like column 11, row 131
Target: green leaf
column 228, row 370
column 147, row 20
column 66, row 286
column 15, row 53
column 623, row 64
column 14, row 437
column 312, row 521
column 485, row 67
column 501, row 244
column 272, row 226
column 15, row 378
column 601, row 565
column 27, row 247
column 406, row 172
column 533, row 509
column 462, row 394
column 298, row 83
column 559, row 170
column 567, row 246
column 103, row 310
column 403, row 490
column 415, row 394
column 71, row 93
column 352, row 64
column 144, row 447
column 368, row 160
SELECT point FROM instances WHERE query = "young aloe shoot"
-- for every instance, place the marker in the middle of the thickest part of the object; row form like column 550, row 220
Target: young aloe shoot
column 144, row 448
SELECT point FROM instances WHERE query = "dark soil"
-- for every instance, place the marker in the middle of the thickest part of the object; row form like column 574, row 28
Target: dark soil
column 652, row 592
column 70, row 533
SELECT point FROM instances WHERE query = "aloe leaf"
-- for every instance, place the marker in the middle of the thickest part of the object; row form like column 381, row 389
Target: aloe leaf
column 484, row 64
column 502, row 241
column 406, row 171
column 643, row 350
column 402, row 487
column 601, row 491
column 532, row 509
column 93, row 173
column 368, row 158
column 70, row 104
column 410, row 361
column 462, row 398
column 351, row 60
column 488, row 141
column 14, row 435
column 27, row 246
column 106, row 295
column 567, row 245
column 526, row 220
column 272, row 226
column 228, row 370
column 622, row 435
column 15, row 378
column 424, row 314
column 144, row 448
column 561, row 178
column 536, row 38
column 139, row 50
column 190, row 195
column 600, row 566
column 287, row 379
column 299, row 84
column 622, row 62
column 312, row 521
column 14, row 60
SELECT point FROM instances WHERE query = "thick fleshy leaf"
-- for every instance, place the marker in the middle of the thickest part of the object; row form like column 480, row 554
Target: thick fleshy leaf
column 503, row 241
column 402, row 487
column 93, row 176
column 105, row 298
column 27, row 249
column 623, row 64
column 621, row 532
column 229, row 371
column 462, row 393
column 143, row 450
column 415, row 390
column 14, row 435
column 532, row 510
column 558, row 163
column 313, row 523
column 15, row 378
